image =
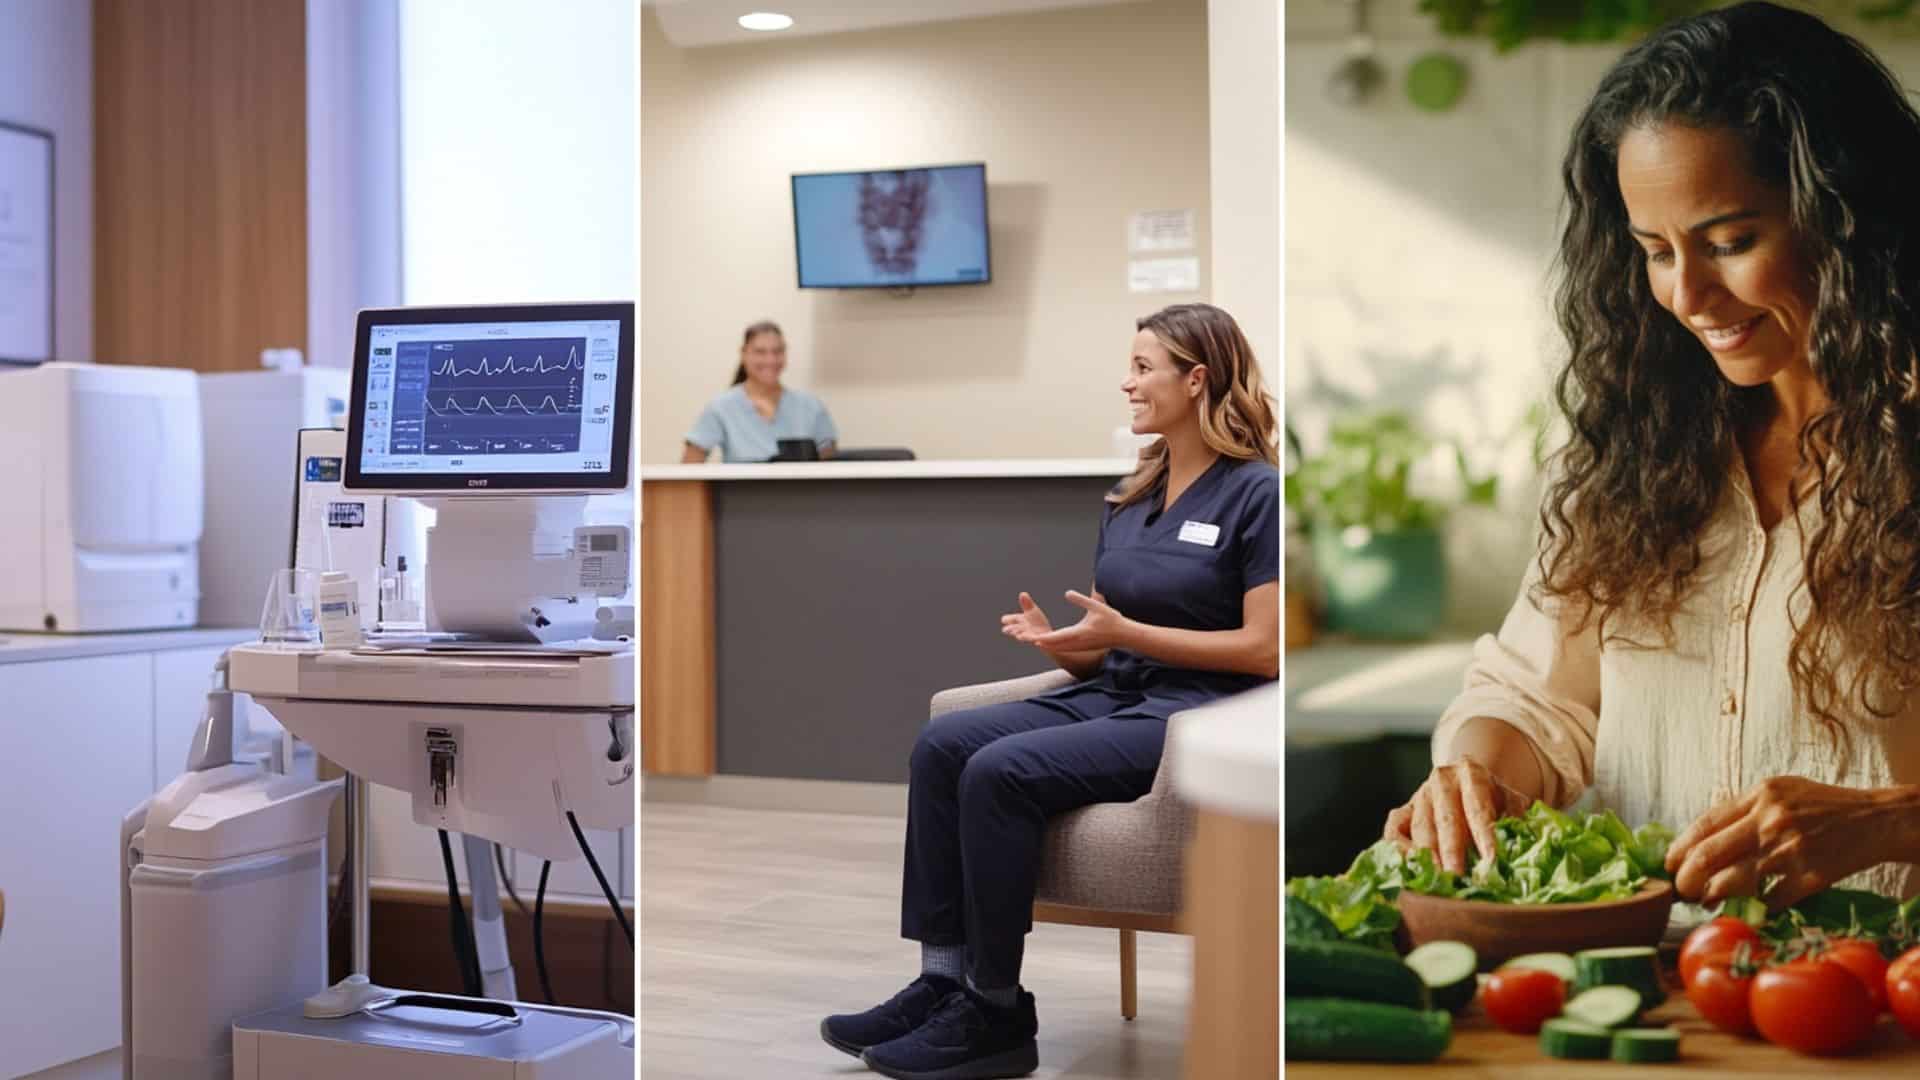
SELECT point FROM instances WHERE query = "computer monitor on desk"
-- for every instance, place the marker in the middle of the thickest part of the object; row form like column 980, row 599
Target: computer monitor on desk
column 503, row 419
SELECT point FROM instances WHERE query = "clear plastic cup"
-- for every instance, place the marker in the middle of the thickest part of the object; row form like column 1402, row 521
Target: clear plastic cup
column 288, row 615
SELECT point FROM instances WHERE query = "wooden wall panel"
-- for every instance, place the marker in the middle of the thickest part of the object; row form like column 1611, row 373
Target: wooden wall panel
column 677, row 684
column 200, row 181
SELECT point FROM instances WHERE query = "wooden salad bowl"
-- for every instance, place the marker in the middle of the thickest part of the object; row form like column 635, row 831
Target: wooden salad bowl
column 1499, row 932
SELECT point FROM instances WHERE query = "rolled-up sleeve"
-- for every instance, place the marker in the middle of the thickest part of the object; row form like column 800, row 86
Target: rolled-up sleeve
column 1542, row 676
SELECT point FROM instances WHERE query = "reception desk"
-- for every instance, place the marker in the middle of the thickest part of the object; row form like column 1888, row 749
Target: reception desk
column 796, row 618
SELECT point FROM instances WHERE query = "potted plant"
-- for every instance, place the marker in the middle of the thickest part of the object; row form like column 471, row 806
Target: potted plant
column 1377, row 547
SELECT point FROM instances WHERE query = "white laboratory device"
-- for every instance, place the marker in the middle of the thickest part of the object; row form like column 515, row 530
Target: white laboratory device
column 224, row 877
column 252, row 421
column 504, row 419
column 102, row 498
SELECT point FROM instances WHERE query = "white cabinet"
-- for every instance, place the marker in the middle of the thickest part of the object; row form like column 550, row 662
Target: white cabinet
column 403, row 850
column 574, row 877
column 408, row 853
column 76, row 753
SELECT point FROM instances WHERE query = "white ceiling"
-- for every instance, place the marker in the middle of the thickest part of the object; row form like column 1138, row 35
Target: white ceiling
column 693, row 23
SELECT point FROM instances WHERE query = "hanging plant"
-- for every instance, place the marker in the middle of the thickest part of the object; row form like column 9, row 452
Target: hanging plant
column 1511, row 23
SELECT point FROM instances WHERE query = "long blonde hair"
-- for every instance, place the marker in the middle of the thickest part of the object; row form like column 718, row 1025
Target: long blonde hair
column 1236, row 410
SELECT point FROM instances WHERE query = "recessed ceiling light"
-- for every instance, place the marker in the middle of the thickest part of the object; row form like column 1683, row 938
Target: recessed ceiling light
column 766, row 20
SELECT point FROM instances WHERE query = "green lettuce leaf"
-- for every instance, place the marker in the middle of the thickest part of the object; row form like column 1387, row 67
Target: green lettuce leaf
column 1357, row 909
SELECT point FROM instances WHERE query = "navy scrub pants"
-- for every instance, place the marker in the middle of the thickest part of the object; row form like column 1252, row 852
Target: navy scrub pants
column 984, row 782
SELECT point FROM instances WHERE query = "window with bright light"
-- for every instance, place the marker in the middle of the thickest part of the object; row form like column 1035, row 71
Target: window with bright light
column 518, row 124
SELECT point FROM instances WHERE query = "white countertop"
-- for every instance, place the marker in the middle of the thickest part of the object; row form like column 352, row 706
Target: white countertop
column 1226, row 755
column 1362, row 690
column 29, row 648
column 894, row 470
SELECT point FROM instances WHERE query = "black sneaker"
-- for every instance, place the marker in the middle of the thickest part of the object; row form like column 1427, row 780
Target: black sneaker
column 852, row 1033
column 967, row 1038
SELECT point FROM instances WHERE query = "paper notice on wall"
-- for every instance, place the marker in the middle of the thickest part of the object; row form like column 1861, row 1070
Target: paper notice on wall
column 1160, row 230
column 1164, row 275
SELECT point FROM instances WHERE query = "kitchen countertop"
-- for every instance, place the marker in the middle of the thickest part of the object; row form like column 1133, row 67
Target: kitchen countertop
column 1341, row 690
column 30, row 648
column 894, row 470
column 1480, row 1049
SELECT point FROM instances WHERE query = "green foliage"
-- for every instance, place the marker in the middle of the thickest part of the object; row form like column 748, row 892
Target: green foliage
column 1357, row 907
column 1511, row 23
column 1544, row 857
column 1855, row 913
column 1363, row 477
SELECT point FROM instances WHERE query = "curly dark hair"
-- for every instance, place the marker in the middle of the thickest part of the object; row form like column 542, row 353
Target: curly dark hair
column 1653, row 425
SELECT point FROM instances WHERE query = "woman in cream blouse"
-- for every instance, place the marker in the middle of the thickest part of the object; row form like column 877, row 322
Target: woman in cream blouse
column 1722, row 632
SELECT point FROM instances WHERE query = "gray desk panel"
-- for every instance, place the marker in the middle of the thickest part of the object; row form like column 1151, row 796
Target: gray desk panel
column 843, row 606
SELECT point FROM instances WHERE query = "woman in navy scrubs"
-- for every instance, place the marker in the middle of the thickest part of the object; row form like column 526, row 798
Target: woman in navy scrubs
column 1184, row 608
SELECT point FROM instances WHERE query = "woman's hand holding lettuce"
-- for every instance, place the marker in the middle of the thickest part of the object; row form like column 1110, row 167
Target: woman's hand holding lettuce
column 1542, row 857
column 1455, row 809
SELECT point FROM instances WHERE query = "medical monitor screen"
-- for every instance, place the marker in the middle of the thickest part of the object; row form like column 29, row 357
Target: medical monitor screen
column 892, row 228
column 516, row 398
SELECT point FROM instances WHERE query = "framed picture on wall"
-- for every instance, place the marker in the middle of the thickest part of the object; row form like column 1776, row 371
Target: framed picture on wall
column 26, row 244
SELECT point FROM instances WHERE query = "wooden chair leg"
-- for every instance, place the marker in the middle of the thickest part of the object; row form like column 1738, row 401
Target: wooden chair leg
column 1129, row 971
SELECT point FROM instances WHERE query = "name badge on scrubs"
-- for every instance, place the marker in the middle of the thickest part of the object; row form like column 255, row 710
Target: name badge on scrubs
column 1199, row 532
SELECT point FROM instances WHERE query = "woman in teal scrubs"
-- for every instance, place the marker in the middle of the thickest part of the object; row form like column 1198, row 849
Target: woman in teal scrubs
column 750, row 420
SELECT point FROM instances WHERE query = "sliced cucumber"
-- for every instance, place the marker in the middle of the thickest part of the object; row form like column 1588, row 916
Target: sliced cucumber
column 1605, row 1006
column 1632, row 966
column 1644, row 1045
column 1557, row 962
column 1448, row 968
column 1563, row 1038
column 1339, row 969
column 1335, row 1029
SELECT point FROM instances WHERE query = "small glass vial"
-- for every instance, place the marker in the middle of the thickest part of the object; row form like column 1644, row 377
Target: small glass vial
column 339, row 611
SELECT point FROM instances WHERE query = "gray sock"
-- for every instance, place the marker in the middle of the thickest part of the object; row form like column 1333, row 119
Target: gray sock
column 948, row 960
column 1005, row 997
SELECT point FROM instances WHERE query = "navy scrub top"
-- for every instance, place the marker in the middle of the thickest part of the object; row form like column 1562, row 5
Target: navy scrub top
column 1188, row 567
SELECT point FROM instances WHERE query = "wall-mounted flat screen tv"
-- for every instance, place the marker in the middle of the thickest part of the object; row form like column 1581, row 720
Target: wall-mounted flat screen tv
column 892, row 228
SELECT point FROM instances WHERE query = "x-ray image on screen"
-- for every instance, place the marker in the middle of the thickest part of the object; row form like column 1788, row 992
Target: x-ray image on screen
column 895, row 227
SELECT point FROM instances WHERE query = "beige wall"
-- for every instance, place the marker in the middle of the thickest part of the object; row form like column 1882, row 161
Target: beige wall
column 1082, row 116
column 1243, row 67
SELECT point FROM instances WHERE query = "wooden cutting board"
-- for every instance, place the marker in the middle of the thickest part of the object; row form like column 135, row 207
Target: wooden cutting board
column 1480, row 1049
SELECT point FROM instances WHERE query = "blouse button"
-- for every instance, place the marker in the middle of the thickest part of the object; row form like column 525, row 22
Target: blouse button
column 1739, row 612
column 1729, row 706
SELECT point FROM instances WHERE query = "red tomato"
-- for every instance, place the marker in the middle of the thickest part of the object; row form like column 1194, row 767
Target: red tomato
column 1715, row 938
column 1521, row 999
column 1811, row 1007
column 1864, row 960
column 1721, row 993
column 1903, row 990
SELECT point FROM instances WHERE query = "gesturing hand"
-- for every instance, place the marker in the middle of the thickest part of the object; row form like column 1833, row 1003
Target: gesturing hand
column 1808, row 833
column 1100, row 628
column 1457, row 806
column 1026, row 624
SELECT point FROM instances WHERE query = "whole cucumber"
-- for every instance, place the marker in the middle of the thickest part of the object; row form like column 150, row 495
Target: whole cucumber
column 1338, row 1029
column 1340, row 969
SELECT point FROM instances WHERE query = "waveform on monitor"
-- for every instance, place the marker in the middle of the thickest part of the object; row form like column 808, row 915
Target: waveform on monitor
column 539, row 365
column 547, row 406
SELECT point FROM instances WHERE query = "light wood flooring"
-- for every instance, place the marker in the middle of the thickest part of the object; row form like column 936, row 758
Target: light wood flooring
column 756, row 923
